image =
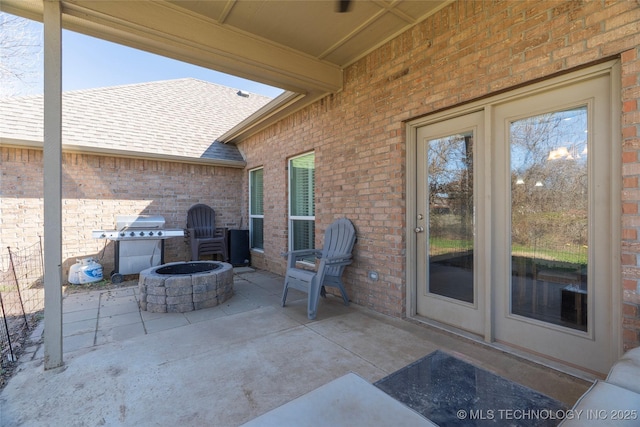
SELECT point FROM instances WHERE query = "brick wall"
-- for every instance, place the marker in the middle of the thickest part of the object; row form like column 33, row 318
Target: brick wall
column 97, row 188
column 630, row 197
column 468, row 50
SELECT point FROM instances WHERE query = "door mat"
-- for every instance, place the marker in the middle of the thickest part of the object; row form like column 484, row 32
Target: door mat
column 452, row 392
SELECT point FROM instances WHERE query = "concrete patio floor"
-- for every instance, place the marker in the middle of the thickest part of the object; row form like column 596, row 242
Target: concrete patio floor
column 226, row 365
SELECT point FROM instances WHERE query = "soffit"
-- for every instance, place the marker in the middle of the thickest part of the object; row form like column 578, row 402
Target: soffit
column 314, row 27
column 299, row 46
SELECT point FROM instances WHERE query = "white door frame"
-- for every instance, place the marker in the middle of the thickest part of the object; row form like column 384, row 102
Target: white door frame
column 613, row 69
column 470, row 316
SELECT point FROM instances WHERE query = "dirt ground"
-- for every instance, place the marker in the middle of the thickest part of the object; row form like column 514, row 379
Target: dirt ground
column 19, row 334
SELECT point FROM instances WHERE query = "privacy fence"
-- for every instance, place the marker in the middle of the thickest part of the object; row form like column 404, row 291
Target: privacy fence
column 21, row 297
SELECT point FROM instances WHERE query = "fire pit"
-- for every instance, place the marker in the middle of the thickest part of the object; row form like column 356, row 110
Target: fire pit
column 179, row 287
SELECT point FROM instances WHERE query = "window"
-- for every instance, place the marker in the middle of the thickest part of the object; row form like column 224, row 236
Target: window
column 451, row 215
column 301, row 202
column 256, row 209
column 550, row 216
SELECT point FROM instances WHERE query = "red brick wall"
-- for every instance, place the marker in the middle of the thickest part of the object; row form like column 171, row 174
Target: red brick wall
column 97, row 188
column 468, row 50
column 630, row 125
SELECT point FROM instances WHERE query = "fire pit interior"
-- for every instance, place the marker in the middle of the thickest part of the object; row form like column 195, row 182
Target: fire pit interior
column 179, row 287
column 187, row 268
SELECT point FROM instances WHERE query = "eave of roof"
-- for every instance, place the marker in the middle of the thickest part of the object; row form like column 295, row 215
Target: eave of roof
column 70, row 148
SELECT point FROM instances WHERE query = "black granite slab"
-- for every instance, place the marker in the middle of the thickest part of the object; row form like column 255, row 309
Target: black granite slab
column 452, row 392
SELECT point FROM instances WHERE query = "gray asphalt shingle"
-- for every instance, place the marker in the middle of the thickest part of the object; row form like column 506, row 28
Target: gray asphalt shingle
column 181, row 117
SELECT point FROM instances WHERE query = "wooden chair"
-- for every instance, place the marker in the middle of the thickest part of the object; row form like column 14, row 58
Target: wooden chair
column 335, row 255
column 203, row 235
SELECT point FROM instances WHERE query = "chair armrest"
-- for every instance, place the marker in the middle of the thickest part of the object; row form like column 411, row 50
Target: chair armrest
column 339, row 259
column 294, row 256
column 220, row 232
column 300, row 253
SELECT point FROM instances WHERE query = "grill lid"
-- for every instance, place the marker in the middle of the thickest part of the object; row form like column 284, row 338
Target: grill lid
column 124, row 222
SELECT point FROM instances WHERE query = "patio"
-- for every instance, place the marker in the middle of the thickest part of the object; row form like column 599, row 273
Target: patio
column 360, row 88
column 227, row 365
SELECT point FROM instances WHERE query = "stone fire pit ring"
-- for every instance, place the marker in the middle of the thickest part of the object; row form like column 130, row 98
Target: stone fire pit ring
column 179, row 287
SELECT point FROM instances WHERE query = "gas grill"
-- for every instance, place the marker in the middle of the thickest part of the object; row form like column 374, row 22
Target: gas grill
column 139, row 243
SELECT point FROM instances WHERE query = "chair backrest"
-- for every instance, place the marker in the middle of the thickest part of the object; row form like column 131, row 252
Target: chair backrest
column 202, row 219
column 339, row 238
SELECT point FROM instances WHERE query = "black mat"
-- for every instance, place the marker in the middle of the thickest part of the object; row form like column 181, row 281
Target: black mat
column 452, row 392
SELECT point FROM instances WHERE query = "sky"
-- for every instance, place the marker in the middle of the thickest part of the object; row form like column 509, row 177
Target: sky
column 89, row 62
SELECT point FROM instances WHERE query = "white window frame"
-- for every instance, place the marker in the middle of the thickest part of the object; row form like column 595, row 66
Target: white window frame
column 293, row 218
column 255, row 216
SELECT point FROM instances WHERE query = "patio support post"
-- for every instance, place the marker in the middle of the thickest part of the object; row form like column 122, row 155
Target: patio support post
column 52, row 184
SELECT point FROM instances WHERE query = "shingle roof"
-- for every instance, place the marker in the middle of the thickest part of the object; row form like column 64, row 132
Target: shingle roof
column 181, row 118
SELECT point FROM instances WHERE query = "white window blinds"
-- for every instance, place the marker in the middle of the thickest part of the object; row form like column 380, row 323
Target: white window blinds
column 256, row 208
column 302, row 202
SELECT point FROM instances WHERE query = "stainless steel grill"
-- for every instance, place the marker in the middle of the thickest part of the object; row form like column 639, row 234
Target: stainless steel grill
column 139, row 243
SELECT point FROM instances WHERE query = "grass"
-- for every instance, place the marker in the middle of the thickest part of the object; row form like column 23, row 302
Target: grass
column 439, row 246
column 572, row 254
column 558, row 255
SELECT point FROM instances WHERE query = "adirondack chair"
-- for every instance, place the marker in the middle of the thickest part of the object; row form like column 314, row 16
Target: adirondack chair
column 334, row 256
column 204, row 237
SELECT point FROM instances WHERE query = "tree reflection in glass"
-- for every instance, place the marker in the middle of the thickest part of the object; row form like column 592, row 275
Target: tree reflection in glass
column 549, row 217
column 451, row 216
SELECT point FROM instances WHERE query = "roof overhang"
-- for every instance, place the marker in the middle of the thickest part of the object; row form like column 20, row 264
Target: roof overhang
column 110, row 152
column 301, row 47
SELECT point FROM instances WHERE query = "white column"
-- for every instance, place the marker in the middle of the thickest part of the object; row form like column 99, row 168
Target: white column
column 52, row 184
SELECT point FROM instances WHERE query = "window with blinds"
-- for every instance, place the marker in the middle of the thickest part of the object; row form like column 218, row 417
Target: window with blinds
column 256, row 209
column 302, row 202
